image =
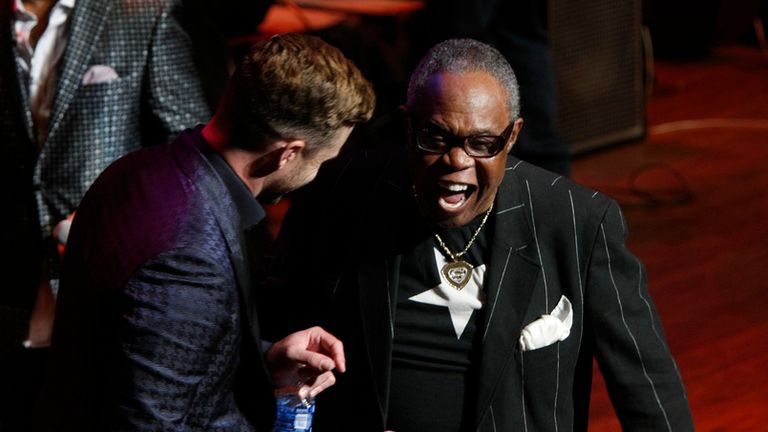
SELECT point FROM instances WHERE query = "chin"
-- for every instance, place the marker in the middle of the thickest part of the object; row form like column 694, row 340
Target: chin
column 454, row 222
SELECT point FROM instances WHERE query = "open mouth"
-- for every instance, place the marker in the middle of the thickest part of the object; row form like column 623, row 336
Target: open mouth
column 452, row 196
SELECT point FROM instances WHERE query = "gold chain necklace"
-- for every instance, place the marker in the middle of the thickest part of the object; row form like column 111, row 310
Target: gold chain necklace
column 458, row 272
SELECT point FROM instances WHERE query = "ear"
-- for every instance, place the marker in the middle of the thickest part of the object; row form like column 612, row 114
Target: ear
column 515, row 133
column 288, row 151
column 277, row 156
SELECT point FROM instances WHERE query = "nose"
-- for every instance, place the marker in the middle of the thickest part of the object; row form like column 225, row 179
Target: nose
column 458, row 159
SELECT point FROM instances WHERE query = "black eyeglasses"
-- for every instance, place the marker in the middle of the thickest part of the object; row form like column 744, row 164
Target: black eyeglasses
column 433, row 139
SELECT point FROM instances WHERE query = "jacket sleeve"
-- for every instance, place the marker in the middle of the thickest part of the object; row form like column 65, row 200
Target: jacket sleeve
column 643, row 381
column 176, row 344
column 173, row 92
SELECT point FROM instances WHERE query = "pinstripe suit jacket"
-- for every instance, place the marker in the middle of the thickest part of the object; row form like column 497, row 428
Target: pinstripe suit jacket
column 156, row 96
column 549, row 237
column 155, row 328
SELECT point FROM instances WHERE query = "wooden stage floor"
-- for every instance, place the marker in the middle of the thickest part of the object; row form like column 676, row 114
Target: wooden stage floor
column 695, row 194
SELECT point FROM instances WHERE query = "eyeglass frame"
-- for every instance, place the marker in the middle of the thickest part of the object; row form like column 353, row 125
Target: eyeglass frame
column 453, row 140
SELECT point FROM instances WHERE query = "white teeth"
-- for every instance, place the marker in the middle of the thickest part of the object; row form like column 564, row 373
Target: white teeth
column 454, row 187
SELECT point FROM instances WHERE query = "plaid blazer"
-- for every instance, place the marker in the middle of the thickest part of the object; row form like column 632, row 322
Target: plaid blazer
column 156, row 95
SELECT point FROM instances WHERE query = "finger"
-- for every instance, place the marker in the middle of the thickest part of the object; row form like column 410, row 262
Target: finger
column 331, row 346
column 311, row 359
column 304, row 391
column 307, row 377
column 322, row 382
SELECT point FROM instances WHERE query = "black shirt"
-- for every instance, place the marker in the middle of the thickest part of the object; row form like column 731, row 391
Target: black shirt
column 433, row 354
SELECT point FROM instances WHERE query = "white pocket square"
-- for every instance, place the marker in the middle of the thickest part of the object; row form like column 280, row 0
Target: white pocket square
column 99, row 74
column 550, row 328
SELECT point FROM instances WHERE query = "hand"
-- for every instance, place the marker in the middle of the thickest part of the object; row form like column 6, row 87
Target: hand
column 307, row 358
column 61, row 233
column 41, row 321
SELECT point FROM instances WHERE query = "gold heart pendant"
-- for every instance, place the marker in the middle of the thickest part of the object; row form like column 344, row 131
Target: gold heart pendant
column 457, row 273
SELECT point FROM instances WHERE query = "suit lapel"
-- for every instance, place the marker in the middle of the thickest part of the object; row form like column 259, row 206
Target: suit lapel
column 86, row 24
column 512, row 274
column 378, row 281
column 253, row 383
column 378, row 277
column 214, row 190
column 251, row 272
column 511, row 278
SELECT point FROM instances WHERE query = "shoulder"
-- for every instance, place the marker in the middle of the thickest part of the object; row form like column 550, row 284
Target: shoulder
column 148, row 194
column 557, row 207
column 130, row 172
column 553, row 192
column 143, row 7
column 119, row 11
column 134, row 19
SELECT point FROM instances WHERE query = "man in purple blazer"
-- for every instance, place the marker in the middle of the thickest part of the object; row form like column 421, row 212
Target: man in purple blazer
column 156, row 325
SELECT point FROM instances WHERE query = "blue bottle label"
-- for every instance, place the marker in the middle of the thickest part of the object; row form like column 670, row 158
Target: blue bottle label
column 293, row 413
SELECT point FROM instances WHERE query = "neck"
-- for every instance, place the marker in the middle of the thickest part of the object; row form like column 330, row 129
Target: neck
column 241, row 161
column 456, row 255
column 41, row 8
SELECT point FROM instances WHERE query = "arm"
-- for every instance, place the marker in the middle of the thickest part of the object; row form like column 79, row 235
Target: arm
column 172, row 89
column 642, row 378
column 178, row 339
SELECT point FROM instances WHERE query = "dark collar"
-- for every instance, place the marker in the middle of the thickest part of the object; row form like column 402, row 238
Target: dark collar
column 251, row 212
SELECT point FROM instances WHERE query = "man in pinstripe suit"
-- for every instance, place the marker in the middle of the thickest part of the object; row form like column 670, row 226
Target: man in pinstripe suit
column 82, row 82
column 471, row 290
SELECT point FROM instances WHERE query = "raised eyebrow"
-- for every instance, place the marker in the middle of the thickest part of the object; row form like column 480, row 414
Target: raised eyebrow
column 434, row 125
column 440, row 128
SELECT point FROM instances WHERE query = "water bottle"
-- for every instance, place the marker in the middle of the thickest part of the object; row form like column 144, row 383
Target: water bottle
column 294, row 413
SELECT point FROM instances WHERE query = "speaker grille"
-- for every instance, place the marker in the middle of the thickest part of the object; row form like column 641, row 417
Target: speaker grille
column 597, row 55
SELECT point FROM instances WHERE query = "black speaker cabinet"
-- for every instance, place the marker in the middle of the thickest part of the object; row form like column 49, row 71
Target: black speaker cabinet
column 597, row 52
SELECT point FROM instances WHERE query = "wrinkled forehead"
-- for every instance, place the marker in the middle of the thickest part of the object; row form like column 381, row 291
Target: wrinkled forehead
column 476, row 94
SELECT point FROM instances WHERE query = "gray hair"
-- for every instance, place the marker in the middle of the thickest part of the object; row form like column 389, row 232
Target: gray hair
column 461, row 56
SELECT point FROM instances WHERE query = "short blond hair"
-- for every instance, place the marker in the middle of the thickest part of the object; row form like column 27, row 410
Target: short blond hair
column 298, row 86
